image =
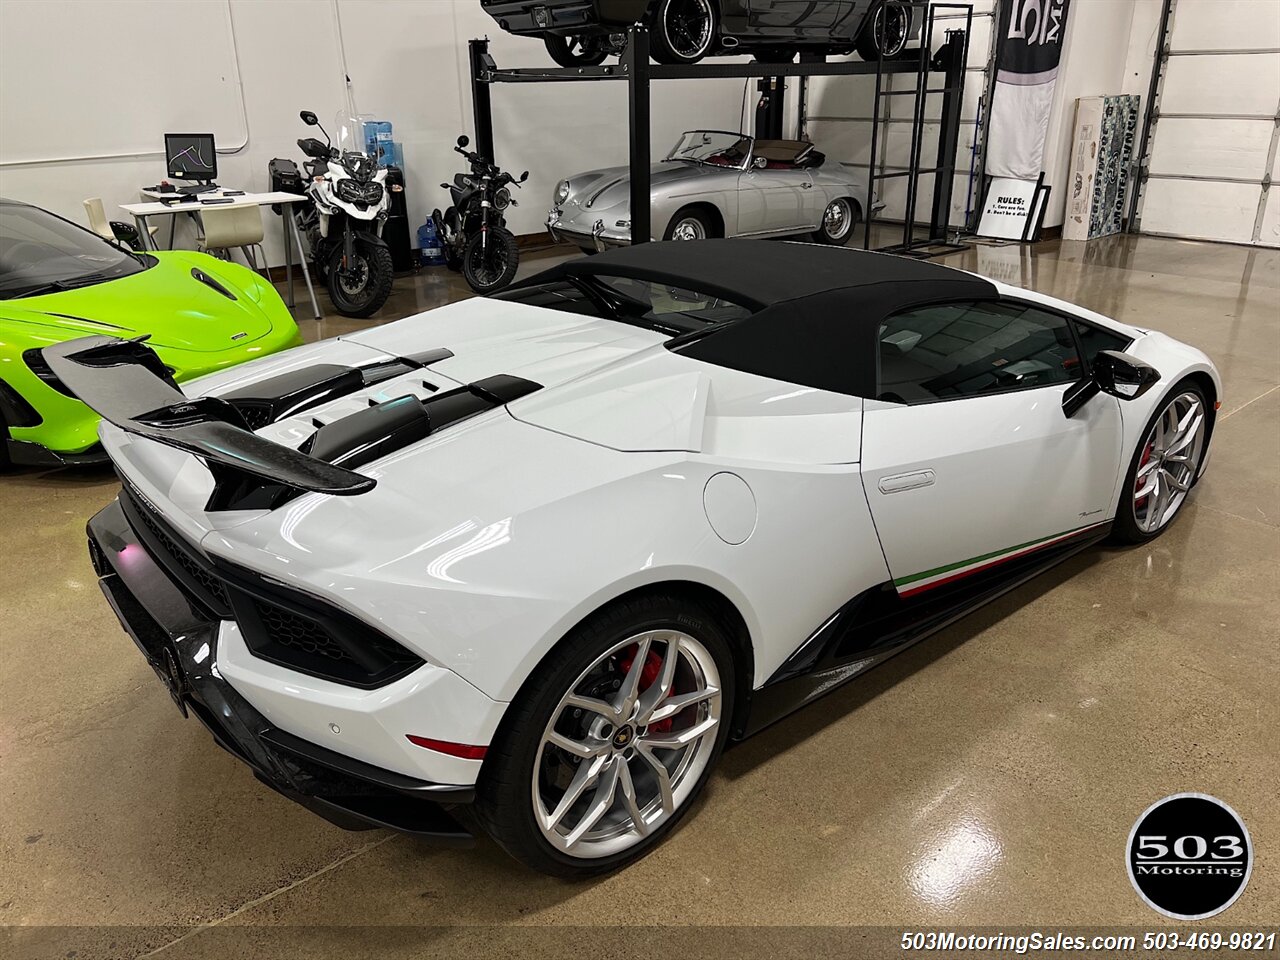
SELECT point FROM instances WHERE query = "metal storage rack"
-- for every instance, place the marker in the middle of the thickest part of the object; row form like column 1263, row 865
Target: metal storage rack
column 635, row 69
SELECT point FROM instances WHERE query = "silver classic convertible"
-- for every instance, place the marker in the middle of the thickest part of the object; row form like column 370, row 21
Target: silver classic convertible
column 716, row 184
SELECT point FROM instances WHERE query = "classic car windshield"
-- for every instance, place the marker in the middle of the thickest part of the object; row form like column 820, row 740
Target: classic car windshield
column 712, row 147
column 41, row 253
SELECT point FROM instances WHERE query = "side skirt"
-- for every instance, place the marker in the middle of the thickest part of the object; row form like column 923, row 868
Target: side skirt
column 882, row 622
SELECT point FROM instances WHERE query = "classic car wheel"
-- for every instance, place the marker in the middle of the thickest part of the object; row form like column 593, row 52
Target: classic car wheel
column 612, row 739
column 688, row 225
column 575, row 51
column 838, row 221
column 1164, row 466
column 684, row 31
column 887, row 33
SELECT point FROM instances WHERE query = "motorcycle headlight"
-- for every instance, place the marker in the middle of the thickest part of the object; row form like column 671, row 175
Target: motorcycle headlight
column 352, row 191
column 502, row 199
column 562, row 192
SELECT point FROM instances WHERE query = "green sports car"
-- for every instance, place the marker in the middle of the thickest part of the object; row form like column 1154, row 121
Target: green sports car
column 59, row 281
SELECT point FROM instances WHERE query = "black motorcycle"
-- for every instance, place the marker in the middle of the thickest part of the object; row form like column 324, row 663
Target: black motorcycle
column 473, row 231
column 343, row 222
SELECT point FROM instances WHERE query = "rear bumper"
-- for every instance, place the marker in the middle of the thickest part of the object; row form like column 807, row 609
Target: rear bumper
column 180, row 644
column 538, row 17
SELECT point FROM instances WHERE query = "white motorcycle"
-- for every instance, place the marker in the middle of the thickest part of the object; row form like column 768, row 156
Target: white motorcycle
column 343, row 223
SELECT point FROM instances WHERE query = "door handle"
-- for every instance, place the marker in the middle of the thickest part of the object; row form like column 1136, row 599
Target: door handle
column 806, row 185
column 906, row 481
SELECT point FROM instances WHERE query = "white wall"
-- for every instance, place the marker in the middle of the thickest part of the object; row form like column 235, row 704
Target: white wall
column 408, row 63
column 1100, row 47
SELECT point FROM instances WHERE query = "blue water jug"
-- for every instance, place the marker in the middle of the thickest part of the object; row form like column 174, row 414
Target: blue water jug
column 432, row 252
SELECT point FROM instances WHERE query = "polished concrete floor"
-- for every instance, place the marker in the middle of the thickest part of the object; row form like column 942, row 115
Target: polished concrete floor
column 988, row 777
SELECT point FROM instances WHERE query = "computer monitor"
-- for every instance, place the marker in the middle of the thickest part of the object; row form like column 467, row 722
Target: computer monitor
column 190, row 156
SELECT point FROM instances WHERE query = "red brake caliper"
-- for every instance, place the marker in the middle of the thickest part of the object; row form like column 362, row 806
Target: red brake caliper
column 1146, row 455
column 648, row 676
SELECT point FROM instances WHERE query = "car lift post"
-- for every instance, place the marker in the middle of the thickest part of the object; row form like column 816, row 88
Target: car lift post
column 635, row 64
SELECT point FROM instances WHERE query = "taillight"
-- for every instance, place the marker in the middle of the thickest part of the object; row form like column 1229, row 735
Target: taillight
column 464, row 751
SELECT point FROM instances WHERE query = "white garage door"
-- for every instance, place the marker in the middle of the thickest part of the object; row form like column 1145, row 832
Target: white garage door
column 1211, row 151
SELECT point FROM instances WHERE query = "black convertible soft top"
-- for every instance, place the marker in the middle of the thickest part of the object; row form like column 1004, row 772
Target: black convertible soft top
column 818, row 309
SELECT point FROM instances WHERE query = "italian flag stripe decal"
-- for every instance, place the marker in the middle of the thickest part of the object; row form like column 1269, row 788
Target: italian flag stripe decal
column 919, row 582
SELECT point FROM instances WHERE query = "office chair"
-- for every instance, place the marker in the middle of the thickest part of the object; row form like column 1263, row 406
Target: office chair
column 114, row 230
column 233, row 227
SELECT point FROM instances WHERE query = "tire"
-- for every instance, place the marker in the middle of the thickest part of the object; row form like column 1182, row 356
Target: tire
column 366, row 296
column 524, row 770
column 576, row 51
column 684, row 31
column 1134, row 522
column 690, row 223
column 838, row 222
column 898, row 20
column 491, row 269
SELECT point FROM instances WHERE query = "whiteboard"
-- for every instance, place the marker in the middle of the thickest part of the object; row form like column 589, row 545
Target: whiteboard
column 122, row 73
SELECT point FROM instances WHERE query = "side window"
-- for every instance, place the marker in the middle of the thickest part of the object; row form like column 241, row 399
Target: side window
column 953, row 350
column 1093, row 339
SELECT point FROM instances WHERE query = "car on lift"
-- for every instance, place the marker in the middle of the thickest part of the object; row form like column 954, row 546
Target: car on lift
column 584, row 32
column 59, row 281
column 545, row 553
column 715, row 184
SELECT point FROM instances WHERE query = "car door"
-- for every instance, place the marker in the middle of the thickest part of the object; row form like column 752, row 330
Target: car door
column 774, row 200
column 793, row 19
column 967, row 457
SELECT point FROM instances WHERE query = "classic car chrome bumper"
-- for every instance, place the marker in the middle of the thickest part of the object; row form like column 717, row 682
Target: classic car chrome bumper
column 598, row 238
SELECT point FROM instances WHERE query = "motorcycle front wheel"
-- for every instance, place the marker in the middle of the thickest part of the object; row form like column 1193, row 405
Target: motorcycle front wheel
column 362, row 287
column 490, row 267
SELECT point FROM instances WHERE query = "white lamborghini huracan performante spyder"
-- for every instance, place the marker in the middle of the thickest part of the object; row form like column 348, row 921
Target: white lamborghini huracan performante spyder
column 527, row 563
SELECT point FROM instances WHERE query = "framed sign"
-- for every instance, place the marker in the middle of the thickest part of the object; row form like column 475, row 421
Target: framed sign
column 1012, row 209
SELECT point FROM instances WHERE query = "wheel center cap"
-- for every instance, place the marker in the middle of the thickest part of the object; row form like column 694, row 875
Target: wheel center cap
column 623, row 737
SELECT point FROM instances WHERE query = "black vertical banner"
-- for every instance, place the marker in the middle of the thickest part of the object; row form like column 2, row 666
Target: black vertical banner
column 1029, row 47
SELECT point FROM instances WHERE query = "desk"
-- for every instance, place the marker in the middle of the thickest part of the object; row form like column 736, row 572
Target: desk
column 140, row 212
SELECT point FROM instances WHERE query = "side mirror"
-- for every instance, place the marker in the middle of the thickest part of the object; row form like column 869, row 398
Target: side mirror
column 464, row 141
column 309, row 118
column 759, row 163
column 1114, row 373
column 1123, row 376
column 524, row 176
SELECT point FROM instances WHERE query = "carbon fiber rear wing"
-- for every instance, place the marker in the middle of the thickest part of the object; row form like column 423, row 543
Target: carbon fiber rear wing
column 126, row 382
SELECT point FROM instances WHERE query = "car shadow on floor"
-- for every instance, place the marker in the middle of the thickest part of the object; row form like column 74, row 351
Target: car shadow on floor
column 814, row 718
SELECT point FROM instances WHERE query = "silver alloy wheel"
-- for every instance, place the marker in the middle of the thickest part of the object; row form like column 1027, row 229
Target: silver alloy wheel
column 890, row 30
column 690, row 228
column 620, row 755
column 837, row 221
column 1170, row 458
column 688, row 29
